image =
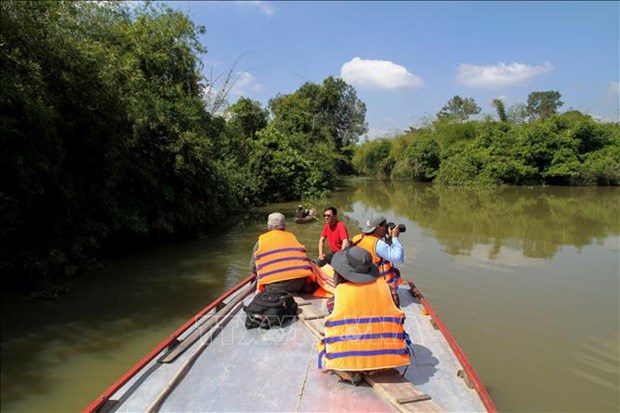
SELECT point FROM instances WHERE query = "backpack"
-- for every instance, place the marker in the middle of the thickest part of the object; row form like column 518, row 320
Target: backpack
column 269, row 308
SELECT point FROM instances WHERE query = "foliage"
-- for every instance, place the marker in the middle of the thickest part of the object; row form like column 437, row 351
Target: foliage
column 459, row 109
column 368, row 158
column 111, row 136
column 248, row 116
column 517, row 113
column 541, row 105
column 329, row 111
column 281, row 172
column 420, row 161
column 563, row 149
column 499, row 106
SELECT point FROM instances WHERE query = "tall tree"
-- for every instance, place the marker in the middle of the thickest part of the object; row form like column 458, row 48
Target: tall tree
column 459, row 109
column 541, row 105
column 499, row 106
column 248, row 115
column 342, row 111
column 328, row 111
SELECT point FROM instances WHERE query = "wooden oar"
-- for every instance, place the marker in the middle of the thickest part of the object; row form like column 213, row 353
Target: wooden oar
column 220, row 318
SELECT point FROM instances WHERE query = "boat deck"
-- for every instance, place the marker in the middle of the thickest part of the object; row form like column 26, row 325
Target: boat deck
column 256, row 370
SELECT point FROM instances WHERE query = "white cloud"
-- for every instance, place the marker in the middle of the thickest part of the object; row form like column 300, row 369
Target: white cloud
column 245, row 84
column 381, row 74
column 500, row 75
column 263, row 7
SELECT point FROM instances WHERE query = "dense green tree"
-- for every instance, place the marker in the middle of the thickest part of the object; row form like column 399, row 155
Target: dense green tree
column 459, row 109
column 249, row 116
column 342, row 111
column 331, row 111
column 541, row 105
column 565, row 149
column 420, row 161
column 104, row 134
column 280, row 172
column 369, row 157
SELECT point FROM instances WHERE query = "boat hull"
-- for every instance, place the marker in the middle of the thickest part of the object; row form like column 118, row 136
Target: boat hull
column 230, row 368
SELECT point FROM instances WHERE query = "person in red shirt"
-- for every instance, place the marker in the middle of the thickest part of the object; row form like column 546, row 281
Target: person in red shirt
column 335, row 232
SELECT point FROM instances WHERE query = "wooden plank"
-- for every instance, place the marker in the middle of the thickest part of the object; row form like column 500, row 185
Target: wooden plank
column 306, row 316
column 209, row 336
column 312, row 317
column 199, row 332
column 400, row 392
column 389, row 384
column 410, row 399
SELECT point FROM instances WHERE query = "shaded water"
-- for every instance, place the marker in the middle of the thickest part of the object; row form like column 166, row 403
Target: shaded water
column 527, row 280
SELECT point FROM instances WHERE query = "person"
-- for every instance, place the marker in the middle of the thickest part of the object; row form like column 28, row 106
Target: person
column 383, row 244
column 336, row 234
column 300, row 212
column 278, row 259
column 362, row 303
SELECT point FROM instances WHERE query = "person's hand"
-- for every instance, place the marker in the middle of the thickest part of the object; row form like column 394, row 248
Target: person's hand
column 395, row 232
column 321, row 257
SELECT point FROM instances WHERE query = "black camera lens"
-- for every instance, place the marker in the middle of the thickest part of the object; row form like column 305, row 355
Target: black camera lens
column 401, row 227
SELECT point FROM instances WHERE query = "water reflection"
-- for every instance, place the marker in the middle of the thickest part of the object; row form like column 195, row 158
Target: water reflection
column 538, row 221
column 526, row 278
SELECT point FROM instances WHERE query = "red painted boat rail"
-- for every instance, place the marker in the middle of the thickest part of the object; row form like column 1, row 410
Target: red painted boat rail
column 94, row 406
column 460, row 355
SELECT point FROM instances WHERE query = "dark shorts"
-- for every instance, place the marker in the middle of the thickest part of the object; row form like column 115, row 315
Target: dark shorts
column 326, row 260
column 292, row 286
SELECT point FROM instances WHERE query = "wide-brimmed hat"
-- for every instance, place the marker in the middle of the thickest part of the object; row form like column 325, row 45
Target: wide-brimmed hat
column 374, row 221
column 355, row 265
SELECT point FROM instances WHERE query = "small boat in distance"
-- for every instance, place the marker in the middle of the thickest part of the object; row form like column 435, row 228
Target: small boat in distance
column 306, row 220
column 213, row 363
column 305, row 216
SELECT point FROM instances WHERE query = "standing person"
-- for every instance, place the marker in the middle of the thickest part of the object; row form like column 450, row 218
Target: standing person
column 278, row 259
column 362, row 303
column 336, row 234
column 382, row 242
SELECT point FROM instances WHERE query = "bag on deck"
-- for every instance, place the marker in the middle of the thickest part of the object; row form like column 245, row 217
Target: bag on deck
column 270, row 308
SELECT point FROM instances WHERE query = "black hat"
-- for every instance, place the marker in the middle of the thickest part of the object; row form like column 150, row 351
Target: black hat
column 355, row 265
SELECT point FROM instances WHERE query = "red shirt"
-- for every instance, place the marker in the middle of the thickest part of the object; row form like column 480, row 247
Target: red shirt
column 335, row 235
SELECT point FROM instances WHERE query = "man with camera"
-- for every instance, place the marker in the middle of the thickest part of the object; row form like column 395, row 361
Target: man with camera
column 380, row 239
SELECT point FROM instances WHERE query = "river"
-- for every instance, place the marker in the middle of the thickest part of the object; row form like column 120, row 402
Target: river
column 527, row 280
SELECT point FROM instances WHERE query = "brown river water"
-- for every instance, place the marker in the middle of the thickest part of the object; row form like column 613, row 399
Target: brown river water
column 527, row 280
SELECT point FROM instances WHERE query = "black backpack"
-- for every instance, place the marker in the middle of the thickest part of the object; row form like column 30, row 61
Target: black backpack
column 270, row 308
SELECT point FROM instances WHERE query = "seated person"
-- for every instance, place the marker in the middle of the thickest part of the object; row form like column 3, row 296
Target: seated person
column 336, row 234
column 362, row 297
column 383, row 244
column 278, row 259
column 300, row 212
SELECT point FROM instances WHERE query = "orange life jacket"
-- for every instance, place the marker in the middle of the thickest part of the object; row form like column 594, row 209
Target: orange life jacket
column 324, row 276
column 369, row 243
column 365, row 330
column 280, row 257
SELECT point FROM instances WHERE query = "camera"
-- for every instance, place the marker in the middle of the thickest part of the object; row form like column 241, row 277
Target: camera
column 401, row 227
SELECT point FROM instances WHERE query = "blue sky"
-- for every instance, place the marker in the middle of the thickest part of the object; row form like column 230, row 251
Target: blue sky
column 407, row 59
